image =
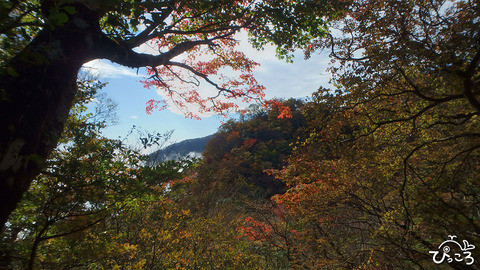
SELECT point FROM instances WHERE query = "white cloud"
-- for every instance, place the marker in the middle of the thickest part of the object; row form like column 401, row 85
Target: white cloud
column 298, row 79
column 147, row 48
column 268, row 53
column 281, row 79
column 204, row 90
column 107, row 69
column 134, row 117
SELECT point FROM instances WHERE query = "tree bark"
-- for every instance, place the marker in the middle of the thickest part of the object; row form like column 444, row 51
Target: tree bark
column 37, row 88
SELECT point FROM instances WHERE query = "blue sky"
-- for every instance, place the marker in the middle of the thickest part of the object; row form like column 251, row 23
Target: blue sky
column 281, row 79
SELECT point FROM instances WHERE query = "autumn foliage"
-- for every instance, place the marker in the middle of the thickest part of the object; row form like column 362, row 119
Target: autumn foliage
column 372, row 173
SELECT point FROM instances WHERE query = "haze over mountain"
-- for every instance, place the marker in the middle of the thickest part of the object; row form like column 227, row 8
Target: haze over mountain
column 191, row 147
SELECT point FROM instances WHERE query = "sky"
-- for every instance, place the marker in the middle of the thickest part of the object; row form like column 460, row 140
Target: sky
column 281, row 79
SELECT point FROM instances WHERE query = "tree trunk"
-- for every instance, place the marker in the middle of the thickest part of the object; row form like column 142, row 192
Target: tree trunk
column 36, row 92
column 37, row 88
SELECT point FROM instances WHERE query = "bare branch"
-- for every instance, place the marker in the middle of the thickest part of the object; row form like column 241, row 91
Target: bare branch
column 348, row 58
column 203, row 76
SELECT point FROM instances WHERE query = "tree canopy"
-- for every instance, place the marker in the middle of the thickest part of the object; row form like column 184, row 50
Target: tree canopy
column 44, row 44
column 390, row 166
column 376, row 172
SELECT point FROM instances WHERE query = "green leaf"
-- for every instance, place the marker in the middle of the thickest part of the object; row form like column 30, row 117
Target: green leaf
column 58, row 19
column 12, row 72
column 70, row 10
column 6, row 5
column 62, row 18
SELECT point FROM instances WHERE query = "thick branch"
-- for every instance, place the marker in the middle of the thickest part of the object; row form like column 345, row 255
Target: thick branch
column 418, row 92
column 109, row 49
column 72, row 231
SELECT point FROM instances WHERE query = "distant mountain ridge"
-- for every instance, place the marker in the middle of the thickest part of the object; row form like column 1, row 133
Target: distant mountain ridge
column 191, row 147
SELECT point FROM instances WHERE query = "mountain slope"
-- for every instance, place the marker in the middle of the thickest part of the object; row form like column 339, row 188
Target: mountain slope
column 190, row 147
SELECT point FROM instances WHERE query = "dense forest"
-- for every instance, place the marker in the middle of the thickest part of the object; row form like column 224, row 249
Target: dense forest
column 381, row 171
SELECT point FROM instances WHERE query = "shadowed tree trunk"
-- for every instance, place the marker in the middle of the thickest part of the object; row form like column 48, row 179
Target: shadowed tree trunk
column 35, row 98
column 37, row 88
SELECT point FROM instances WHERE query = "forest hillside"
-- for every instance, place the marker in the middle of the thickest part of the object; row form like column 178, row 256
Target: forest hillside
column 381, row 170
column 306, row 190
